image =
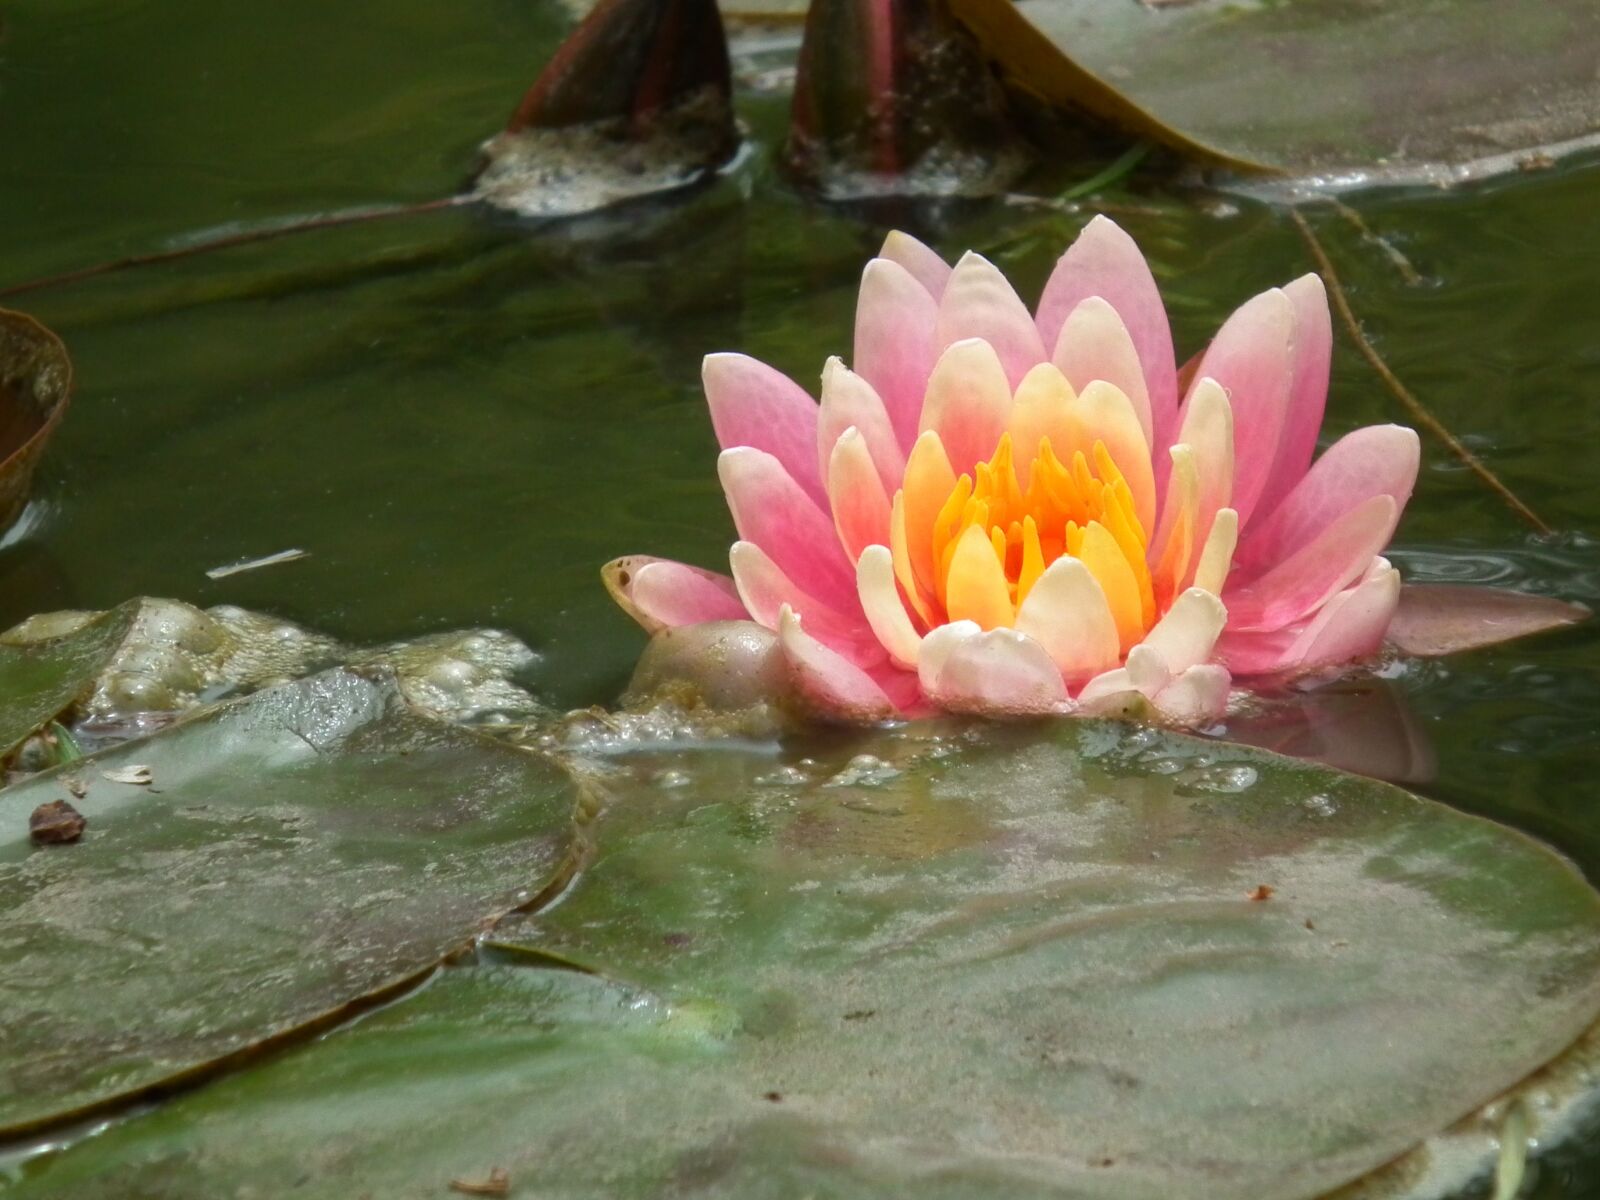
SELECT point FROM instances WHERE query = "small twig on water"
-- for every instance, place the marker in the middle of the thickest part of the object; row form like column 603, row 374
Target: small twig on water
column 255, row 564
column 227, row 241
column 1419, row 412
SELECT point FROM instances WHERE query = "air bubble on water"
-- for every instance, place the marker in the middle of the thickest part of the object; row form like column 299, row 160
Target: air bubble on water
column 782, row 777
column 1227, row 778
column 864, row 770
column 671, row 779
column 1322, row 805
column 1162, row 764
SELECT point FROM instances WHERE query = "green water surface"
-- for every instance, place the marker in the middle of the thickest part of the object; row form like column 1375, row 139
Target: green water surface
column 460, row 417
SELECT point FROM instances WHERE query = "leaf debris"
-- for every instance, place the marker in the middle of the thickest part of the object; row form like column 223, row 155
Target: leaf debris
column 138, row 774
column 1262, row 891
column 497, row 1184
column 55, row 824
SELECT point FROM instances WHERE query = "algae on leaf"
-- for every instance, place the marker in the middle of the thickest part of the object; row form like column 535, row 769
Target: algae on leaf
column 1076, row 961
column 297, row 853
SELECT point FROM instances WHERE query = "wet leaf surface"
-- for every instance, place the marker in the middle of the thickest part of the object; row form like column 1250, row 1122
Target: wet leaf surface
column 1076, row 962
column 303, row 849
column 1381, row 88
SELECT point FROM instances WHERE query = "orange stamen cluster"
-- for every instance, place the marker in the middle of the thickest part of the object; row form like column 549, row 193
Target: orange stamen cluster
column 1083, row 508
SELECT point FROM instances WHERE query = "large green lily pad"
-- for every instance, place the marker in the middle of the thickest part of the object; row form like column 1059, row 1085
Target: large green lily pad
column 1076, row 961
column 1367, row 89
column 312, row 847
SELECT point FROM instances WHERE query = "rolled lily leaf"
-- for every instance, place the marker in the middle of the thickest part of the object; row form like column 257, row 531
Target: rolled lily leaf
column 270, row 867
column 35, row 386
column 1435, row 619
column 637, row 100
column 893, row 97
column 42, row 680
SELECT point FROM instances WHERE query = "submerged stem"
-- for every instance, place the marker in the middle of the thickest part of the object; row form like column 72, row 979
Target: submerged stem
column 1116, row 170
column 266, row 233
column 1419, row 412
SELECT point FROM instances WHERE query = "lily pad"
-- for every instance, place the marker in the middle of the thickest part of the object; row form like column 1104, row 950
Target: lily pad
column 35, row 385
column 1080, row 961
column 41, row 680
column 297, row 854
column 1370, row 90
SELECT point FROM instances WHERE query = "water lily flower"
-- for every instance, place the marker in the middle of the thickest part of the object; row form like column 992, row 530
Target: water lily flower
column 1000, row 512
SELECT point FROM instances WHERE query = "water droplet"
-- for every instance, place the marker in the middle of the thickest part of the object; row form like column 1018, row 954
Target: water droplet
column 671, row 779
column 1226, row 778
column 782, row 777
column 1322, row 805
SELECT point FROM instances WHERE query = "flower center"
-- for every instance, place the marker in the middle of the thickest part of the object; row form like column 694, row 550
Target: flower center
column 1082, row 508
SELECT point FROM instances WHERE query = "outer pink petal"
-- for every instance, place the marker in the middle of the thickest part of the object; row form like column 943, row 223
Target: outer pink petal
column 996, row 673
column 924, row 264
column 661, row 594
column 826, row 681
column 1105, row 262
column 771, row 510
column 860, row 505
column 896, row 346
column 766, row 591
column 1379, row 460
column 1251, row 358
column 1300, row 584
column 1351, row 626
column 754, row 405
column 849, row 400
column 1308, row 390
column 980, row 303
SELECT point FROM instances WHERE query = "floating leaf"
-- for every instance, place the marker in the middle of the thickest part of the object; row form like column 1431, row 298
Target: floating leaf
column 307, row 850
column 35, row 386
column 1031, row 967
column 1383, row 88
column 1436, row 619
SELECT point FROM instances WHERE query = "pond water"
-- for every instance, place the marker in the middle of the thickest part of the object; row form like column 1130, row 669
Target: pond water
column 461, row 418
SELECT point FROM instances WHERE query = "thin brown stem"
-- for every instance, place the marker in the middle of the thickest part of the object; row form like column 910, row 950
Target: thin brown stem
column 227, row 241
column 1419, row 412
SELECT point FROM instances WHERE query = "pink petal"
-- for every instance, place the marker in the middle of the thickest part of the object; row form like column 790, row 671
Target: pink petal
column 1351, row 626
column 885, row 611
column 980, row 303
column 860, row 505
column 996, row 673
column 1198, row 696
column 766, row 591
column 1105, row 262
column 1251, row 359
column 969, row 403
column 661, row 594
column 848, row 400
column 924, row 264
column 1313, row 574
column 895, row 345
column 1379, row 460
column 754, row 405
column 1308, row 390
column 829, row 684
column 1095, row 344
column 1444, row 618
column 771, row 510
